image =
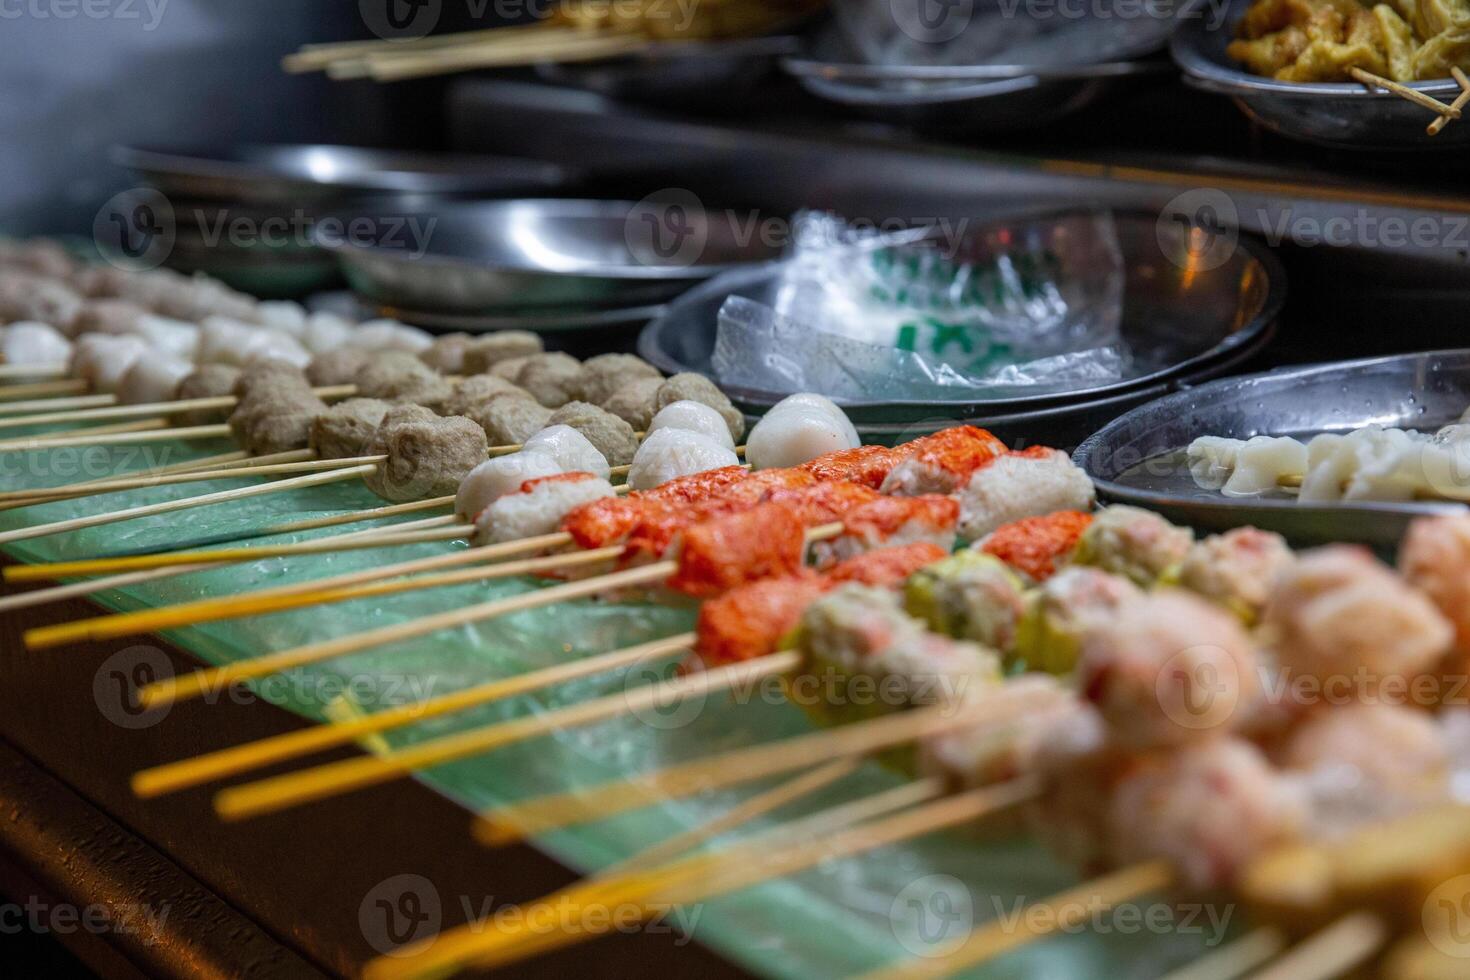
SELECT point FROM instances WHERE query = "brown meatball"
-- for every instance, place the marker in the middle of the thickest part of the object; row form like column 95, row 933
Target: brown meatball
column 263, row 375
column 107, row 316
column 40, row 256
column 552, row 379
column 607, row 374
column 28, row 297
column 483, row 353
column 698, row 388
column 613, row 437
column 426, row 459
column 281, row 425
column 634, row 402
column 511, row 421
column 208, row 381
column 508, row 368
column 446, row 353
column 348, row 428
column 337, row 367
column 477, row 390
column 397, row 376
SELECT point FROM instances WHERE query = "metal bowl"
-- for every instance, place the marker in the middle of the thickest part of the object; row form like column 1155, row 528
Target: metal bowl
column 1191, row 319
column 1344, row 114
column 1139, row 458
column 536, row 255
column 310, row 173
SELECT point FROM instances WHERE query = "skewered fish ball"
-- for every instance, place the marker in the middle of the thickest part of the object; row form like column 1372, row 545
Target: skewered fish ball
column 337, row 367
column 29, row 342
column 173, row 337
column 797, row 430
column 970, row 596
column 40, row 256
column 871, row 520
column 612, row 437
column 942, row 462
column 28, row 297
column 539, row 506
column 1036, row 548
column 283, row 314
column 224, row 340
column 1207, row 809
column 396, row 376
column 483, row 353
column 1435, row 558
column 275, row 409
column 510, row 421
column 671, row 453
column 634, row 404
column 390, row 335
column 115, row 316
column 1340, row 616
column 499, row 476
column 348, row 428
column 573, row 452
column 1080, row 766
column 102, row 359
column 1132, row 542
column 1014, row 486
column 1236, row 569
column 426, row 458
column 446, row 353
column 153, row 378
column 206, row 381
column 1168, row 669
column 478, row 390
column 552, row 379
column 693, row 417
column 606, row 374
column 698, row 388
column 972, row 758
column 325, row 332
column 1064, row 610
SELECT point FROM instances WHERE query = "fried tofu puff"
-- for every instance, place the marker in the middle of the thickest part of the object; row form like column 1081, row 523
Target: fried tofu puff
column 1132, row 542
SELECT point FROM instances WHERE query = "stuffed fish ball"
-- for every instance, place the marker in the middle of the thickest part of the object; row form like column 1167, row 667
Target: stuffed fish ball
column 671, row 453
column 1389, row 749
column 1063, row 610
column 498, row 476
column 693, row 416
column 103, row 359
column 969, row 595
column 1435, row 558
column 153, row 378
column 539, row 506
column 573, row 452
column 1132, row 542
column 30, row 342
column 1236, row 569
column 796, row 432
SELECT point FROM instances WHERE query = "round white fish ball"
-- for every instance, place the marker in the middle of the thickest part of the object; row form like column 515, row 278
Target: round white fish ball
column 178, row 338
column 391, row 335
column 499, row 476
column 326, row 331
column 796, row 435
column 154, row 378
column 693, row 417
column 283, row 314
column 573, row 452
column 31, row 342
column 670, row 453
column 524, row 515
column 806, row 400
column 103, row 359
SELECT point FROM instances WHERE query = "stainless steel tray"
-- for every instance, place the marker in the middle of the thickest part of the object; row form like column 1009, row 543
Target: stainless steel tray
column 522, row 256
column 1138, row 458
column 1333, row 114
column 302, row 173
column 1192, row 319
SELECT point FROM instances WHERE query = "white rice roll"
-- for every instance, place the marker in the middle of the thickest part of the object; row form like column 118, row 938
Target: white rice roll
column 103, row 359
column 391, row 335
column 32, row 342
column 1262, row 462
column 671, row 453
column 693, row 416
column 1021, row 485
column 154, row 378
column 323, row 332
column 797, row 430
column 539, row 509
column 499, row 476
column 571, row 450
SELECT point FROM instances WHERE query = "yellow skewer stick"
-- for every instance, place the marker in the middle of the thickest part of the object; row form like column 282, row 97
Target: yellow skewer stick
column 143, row 482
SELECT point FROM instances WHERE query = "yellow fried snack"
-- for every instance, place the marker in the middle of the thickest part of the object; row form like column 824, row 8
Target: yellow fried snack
column 1322, row 40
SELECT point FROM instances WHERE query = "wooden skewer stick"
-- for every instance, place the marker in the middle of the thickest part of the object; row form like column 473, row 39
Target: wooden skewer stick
column 99, row 434
column 1371, row 81
column 1066, row 910
column 41, row 597
column 163, row 434
column 32, row 406
column 45, row 389
column 588, row 48
column 254, row 755
column 517, row 821
column 828, row 836
column 321, row 782
column 8, row 371
column 315, row 57
column 143, row 482
column 71, row 491
column 47, row 637
column 1234, row 959
column 1459, row 103
column 1331, row 952
column 153, row 408
column 171, row 506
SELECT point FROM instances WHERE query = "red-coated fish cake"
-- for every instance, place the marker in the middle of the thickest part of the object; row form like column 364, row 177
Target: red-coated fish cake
column 750, row 621
column 1037, row 546
column 718, row 555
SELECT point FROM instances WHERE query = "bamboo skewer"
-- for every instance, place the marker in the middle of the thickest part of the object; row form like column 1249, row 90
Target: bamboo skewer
column 1331, row 952
column 45, row 389
column 1234, row 959
column 575, row 45
column 273, row 795
column 96, row 435
column 143, row 482
column 1372, row 81
column 164, row 434
column 171, row 506
column 29, row 407
column 1461, row 99
column 254, row 755
column 153, row 408
column 315, row 57
column 83, row 488
column 8, row 371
